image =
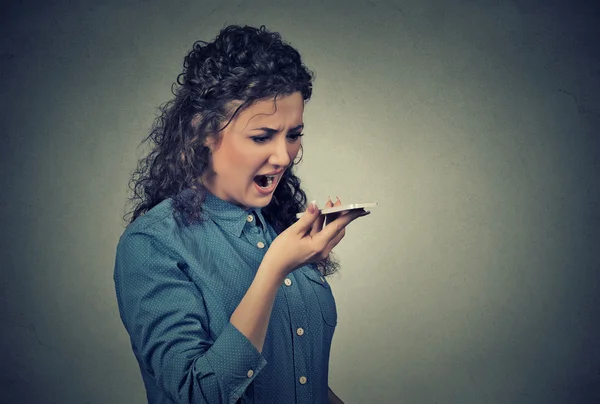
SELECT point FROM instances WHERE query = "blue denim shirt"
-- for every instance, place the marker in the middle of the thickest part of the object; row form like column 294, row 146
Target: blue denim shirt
column 177, row 288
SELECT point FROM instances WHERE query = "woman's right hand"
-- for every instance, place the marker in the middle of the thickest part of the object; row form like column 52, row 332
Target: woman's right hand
column 307, row 240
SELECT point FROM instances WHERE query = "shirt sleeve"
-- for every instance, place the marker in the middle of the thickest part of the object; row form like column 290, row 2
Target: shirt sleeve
column 165, row 315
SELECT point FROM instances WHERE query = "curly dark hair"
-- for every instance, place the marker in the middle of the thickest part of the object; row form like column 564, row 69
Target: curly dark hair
column 241, row 66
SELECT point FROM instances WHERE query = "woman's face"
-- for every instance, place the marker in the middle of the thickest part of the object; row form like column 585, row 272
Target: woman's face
column 262, row 139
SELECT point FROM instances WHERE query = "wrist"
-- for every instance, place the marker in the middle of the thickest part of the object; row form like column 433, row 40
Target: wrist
column 269, row 275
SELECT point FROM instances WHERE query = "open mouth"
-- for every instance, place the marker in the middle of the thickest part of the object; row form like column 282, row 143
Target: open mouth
column 264, row 181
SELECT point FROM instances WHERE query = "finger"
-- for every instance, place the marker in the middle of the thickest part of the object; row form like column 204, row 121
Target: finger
column 332, row 229
column 332, row 216
column 335, row 241
column 304, row 224
column 344, row 212
column 339, row 236
column 318, row 224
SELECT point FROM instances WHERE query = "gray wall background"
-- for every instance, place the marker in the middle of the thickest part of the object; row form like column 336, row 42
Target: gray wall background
column 474, row 124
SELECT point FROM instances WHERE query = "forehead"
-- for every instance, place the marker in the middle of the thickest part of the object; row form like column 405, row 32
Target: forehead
column 284, row 112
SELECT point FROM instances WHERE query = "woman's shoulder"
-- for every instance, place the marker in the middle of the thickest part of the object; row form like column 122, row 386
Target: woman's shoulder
column 157, row 224
column 151, row 236
column 160, row 233
column 163, row 225
column 160, row 215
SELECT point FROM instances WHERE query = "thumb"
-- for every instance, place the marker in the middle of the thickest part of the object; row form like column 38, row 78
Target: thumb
column 308, row 218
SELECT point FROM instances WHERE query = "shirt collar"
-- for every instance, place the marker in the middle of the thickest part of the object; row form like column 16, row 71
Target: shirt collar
column 229, row 216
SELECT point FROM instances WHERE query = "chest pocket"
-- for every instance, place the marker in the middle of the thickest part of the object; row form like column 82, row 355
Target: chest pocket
column 324, row 295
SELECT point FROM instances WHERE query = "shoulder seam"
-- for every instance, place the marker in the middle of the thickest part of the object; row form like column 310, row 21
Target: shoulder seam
column 150, row 223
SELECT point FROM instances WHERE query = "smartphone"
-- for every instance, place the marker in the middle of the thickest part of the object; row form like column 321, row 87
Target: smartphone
column 342, row 208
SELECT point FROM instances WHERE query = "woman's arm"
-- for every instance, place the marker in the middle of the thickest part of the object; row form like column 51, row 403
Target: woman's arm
column 290, row 250
column 166, row 317
column 165, row 313
column 251, row 317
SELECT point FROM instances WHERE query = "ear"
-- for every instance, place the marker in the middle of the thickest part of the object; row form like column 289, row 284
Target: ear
column 209, row 142
column 212, row 143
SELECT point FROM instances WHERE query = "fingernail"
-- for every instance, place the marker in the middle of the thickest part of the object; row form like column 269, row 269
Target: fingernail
column 338, row 199
column 329, row 200
column 312, row 206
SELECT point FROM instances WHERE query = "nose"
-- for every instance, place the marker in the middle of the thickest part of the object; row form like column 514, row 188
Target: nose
column 280, row 155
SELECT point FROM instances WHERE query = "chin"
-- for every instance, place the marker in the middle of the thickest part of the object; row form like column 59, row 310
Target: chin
column 263, row 202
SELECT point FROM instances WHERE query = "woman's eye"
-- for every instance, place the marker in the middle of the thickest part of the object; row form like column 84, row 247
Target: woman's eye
column 295, row 136
column 260, row 139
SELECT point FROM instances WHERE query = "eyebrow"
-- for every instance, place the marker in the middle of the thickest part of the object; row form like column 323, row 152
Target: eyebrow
column 271, row 131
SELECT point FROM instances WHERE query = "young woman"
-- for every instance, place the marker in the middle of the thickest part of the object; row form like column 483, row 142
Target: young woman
column 221, row 289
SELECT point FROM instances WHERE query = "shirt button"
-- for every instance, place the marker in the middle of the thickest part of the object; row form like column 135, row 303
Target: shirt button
column 300, row 331
column 288, row 282
column 302, row 380
column 260, row 244
column 250, row 373
column 250, row 218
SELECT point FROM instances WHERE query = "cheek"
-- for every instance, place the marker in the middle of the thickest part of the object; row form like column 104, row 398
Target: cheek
column 227, row 158
column 235, row 163
column 294, row 150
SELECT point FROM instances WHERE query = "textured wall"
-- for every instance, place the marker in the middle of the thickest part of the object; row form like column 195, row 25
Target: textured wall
column 474, row 125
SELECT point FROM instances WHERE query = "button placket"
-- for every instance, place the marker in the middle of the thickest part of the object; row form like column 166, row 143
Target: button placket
column 294, row 294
